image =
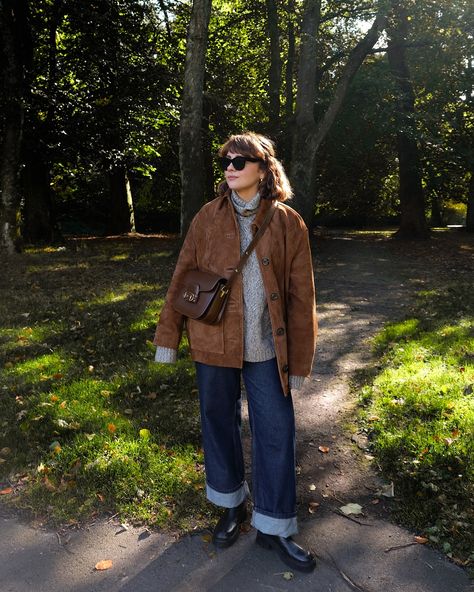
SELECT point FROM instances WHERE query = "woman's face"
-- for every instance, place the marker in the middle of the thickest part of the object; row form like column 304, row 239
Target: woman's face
column 246, row 181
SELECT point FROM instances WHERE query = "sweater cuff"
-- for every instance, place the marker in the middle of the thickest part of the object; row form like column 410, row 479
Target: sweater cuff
column 165, row 355
column 296, row 382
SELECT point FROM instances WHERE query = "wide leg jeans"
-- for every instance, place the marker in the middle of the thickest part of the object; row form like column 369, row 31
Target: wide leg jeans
column 272, row 424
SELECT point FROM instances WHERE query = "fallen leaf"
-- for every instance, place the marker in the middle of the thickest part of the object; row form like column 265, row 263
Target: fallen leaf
column 54, row 398
column 103, row 565
column 112, row 428
column 351, row 509
column 57, row 376
column 5, row 451
column 47, row 483
column 100, row 497
column 312, row 487
column 6, row 491
column 324, row 449
column 151, row 396
column 387, row 490
column 206, row 538
column 288, row 575
column 421, row 540
column 313, row 506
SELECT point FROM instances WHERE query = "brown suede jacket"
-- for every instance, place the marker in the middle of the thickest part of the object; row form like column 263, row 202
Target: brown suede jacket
column 213, row 244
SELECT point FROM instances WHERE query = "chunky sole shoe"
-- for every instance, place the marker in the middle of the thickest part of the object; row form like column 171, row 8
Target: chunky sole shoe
column 227, row 530
column 289, row 552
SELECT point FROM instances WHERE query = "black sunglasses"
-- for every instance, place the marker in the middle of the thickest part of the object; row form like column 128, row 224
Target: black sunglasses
column 238, row 162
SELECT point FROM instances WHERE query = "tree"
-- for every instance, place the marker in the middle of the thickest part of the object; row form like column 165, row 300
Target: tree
column 308, row 135
column 38, row 215
column 191, row 156
column 16, row 50
column 412, row 206
column 274, row 75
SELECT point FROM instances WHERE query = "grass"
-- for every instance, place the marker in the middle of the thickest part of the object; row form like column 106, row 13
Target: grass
column 88, row 422
column 418, row 408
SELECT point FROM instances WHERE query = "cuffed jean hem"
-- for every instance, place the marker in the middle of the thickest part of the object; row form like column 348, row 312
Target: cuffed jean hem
column 228, row 500
column 283, row 527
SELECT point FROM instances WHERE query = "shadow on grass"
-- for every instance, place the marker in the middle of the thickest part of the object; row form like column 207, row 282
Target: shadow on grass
column 88, row 421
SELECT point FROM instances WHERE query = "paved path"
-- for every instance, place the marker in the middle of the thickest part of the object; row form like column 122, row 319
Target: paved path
column 360, row 284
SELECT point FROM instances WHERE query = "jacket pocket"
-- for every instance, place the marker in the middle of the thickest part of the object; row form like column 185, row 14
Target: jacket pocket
column 205, row 338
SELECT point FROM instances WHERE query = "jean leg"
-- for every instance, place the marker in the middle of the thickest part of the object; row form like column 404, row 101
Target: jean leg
column 273, row 449
column 220, row 404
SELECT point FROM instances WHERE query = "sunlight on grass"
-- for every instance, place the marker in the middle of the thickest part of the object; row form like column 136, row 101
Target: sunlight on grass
column 118, row 294
column 39, row 368
column 419, row 410
column 121, row 257
column 149, row 316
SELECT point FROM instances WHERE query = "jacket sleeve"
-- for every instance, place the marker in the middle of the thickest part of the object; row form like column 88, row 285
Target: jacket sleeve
column 301, row 305
column 170, row 324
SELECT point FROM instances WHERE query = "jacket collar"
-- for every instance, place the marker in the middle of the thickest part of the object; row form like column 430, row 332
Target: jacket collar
column 261, row 212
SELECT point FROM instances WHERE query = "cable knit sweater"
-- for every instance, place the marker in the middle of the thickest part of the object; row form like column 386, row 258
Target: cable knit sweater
column 258, row 336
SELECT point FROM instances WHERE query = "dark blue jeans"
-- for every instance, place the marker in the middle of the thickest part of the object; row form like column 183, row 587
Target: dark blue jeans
column 272, row 424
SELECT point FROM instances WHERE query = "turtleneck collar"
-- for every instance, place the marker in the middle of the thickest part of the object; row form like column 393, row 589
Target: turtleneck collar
column 243, row 207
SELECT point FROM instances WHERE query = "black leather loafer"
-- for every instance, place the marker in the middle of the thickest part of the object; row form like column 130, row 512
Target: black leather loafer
column 290, row 553
column 227, row 530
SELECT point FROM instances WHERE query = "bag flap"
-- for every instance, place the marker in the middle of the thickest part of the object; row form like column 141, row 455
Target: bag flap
column 206, row 280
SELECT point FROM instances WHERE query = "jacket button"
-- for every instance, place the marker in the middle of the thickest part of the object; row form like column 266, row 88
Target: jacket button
column 274, row 296
column 280, row 331
column 285, row 368
column 265, row 260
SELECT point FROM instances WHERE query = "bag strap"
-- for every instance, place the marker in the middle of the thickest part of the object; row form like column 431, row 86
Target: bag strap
column 248, row 251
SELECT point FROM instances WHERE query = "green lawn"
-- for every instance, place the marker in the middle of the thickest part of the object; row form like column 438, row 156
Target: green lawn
column 88, row 422
column 418, row 408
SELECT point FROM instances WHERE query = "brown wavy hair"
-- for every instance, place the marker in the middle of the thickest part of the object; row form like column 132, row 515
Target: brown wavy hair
column 274, row 184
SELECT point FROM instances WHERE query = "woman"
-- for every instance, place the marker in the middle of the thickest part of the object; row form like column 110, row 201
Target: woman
column 267, row 336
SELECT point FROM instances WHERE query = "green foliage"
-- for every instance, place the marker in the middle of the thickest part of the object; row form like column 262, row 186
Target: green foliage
column 107, row 93
column 420, row 415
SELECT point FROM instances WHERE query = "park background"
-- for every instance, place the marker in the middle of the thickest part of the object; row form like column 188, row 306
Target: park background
column 112, row 114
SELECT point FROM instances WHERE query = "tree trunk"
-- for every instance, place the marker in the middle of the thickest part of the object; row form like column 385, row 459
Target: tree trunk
column 274, row 76
column 436, row 215
column 14, row 28
column 191, row 157
column 412, row 204
column 39, row 220
column 470, row 205
column 290, row 63
column 304, row 123
column 122, row 216
column 307, row 136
